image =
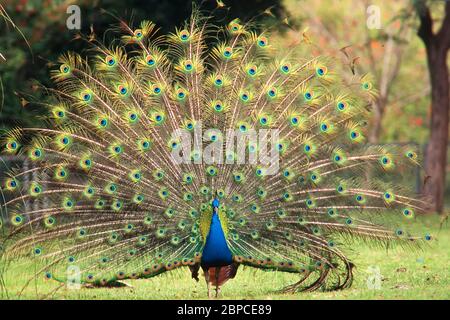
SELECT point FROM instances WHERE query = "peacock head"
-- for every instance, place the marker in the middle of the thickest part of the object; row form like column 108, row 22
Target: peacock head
column 215, row 204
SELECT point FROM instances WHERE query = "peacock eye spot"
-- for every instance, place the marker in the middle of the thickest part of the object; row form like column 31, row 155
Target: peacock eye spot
column 337, row 158
column 353, row 134
column 188, row 66
column 285, row 68
column 110, row 61
column 324, row 127
column 341, row 106
column 307, row 148
column 158, row 118
column 103, row 122
column 308, row 96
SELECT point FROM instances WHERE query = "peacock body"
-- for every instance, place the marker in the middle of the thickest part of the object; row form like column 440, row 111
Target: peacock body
column 116, row 194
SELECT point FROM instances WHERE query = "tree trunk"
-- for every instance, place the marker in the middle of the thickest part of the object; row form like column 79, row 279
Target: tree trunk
column 437, row 46
column 377, row 120
column 436, row 154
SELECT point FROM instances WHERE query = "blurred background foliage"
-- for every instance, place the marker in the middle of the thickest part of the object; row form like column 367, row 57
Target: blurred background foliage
column 331, row 24
column 394, row 54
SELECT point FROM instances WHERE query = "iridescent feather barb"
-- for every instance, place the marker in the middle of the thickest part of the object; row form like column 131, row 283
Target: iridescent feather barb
column 105, row 196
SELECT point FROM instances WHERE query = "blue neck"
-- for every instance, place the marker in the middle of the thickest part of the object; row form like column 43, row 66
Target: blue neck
column 216, row 252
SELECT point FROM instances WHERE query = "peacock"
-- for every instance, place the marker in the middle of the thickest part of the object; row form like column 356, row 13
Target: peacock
column 207, row 148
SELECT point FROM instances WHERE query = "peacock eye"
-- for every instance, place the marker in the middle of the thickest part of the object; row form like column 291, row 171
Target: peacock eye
column 262, row 42
column 184, row 35
column 87, row 97
column 123, row 90
column 110, row 61
column 65, row 68
column 138, row 33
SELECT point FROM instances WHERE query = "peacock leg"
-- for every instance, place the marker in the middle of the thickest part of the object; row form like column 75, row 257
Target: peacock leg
column 217, row 291
column 208, row 284
column 217, row 273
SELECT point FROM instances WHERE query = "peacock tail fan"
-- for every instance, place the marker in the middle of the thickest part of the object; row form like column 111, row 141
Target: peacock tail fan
column 110, row 191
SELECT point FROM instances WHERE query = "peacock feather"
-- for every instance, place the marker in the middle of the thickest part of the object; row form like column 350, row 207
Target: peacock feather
column 108, row 196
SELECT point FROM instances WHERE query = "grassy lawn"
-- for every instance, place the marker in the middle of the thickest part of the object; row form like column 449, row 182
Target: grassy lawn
column 406, row 274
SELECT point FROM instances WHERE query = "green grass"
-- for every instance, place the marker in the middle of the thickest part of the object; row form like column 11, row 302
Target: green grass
column 406, row 274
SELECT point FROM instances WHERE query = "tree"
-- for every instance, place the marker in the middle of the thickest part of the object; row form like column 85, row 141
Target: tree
column 437, row 45
column 390, row 54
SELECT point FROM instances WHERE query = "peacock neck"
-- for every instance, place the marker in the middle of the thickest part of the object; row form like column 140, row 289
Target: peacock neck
column 216, row 251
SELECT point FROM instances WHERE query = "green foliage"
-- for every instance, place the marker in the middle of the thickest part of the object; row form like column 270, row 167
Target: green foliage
column 43, row 26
